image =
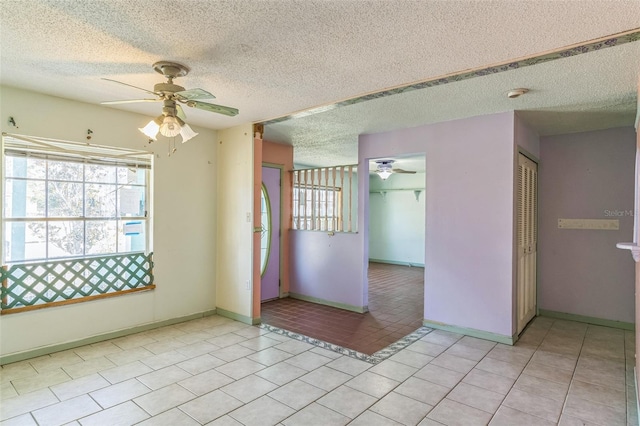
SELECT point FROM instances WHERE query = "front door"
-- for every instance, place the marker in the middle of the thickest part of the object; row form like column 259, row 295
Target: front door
column 270, row 238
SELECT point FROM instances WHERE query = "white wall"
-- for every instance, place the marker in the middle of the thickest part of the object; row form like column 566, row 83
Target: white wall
column 396, row 219
column 183, row 223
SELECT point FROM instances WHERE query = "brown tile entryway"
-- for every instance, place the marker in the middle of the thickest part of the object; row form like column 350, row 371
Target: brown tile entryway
column 395, row 309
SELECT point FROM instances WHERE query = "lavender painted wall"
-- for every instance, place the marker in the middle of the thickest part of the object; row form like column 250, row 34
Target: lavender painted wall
column 526, row 138
column 590, row 176
column 469, row 216
column 327, row 267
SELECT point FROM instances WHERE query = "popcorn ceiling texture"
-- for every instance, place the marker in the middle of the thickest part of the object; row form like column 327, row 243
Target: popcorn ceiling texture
column 273, row 58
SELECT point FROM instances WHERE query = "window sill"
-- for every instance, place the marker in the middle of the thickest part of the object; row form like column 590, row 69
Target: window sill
column 73, row 301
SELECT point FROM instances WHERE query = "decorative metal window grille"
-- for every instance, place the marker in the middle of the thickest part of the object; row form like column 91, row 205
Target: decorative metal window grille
column 323, row 199
column 26, row 286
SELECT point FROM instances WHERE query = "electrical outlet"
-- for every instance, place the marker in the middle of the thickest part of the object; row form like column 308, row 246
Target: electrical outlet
column 248, row 285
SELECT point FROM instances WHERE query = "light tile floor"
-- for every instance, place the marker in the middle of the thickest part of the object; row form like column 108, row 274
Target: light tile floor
column 214, row 371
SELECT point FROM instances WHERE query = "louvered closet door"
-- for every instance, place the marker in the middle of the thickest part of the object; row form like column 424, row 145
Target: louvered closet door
column 527, row 240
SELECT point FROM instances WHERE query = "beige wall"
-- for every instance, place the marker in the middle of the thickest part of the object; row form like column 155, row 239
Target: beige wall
column 184, row 220
column 234, row 239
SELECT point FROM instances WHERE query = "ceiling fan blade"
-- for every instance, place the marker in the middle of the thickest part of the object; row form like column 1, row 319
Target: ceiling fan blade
column 129, row 101
column 403, row 171
column 135, row 87
column 193, row 94
column 213, row 108
column 180, row 112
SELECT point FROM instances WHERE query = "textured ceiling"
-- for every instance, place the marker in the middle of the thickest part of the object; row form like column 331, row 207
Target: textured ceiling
column 273, row 58
column 584, row 92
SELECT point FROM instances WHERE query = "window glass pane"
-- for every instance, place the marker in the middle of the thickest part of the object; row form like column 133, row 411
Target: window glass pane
column 100, row 173
column 24, row 198
column 61, row 194
column 66, row 238
column 132, row 201
column 69, row 171
column 25, row 167
column 131, row 235
column 25, row 241
column 100, row 237
column 265, row 235
column 65, row 199
column 131, row 175
column 100, row 200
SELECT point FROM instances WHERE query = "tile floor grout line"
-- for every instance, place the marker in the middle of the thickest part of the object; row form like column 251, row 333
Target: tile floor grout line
column 523, row 368
column 535, row 348
column 462, row 379
column 573, row 373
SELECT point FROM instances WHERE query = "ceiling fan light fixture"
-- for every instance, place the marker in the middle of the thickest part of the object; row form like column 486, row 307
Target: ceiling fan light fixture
column 187, row 133
column 170, row 127
column 151, row 129
column 384, row 174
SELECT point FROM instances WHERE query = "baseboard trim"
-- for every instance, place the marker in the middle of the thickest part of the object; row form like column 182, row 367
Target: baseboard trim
column 46, row 350
column 589, row 320
column 486, row 335
column 352, row 308
column 395, row 262
column 238, row 317
column 635, row 380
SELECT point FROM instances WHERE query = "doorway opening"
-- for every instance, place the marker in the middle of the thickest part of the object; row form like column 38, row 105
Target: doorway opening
column 396, row 238
column 395, row 290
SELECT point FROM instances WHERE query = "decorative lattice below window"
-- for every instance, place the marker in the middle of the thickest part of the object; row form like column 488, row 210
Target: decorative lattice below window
column 42, row 284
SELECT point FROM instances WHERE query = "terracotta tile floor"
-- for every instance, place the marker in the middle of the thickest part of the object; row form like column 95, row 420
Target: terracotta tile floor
column 395, row 309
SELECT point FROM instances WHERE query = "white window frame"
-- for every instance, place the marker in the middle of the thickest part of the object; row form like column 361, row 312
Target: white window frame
column 52, row 149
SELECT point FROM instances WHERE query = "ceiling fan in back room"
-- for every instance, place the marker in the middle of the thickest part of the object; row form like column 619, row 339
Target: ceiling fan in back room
column 385, row 169
column 172, row 121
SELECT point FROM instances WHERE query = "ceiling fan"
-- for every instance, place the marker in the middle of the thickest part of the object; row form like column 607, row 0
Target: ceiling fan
column 171, row 122
column 385, row 168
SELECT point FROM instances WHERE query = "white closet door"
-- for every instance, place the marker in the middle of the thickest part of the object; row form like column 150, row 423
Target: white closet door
column 527, row 240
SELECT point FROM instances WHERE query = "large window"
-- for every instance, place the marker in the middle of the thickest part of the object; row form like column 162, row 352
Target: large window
column 65, row 201
column 57, row 207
